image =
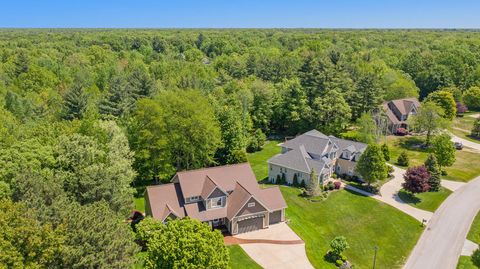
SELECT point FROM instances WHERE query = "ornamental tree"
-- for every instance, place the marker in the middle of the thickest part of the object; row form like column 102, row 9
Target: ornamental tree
column 372, row 166
column 416, row 179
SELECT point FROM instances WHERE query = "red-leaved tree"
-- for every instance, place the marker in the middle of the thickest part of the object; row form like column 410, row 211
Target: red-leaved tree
column 416, row 179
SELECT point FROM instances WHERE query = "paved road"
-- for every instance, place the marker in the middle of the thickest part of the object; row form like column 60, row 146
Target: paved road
column 465, row 142
column 442, row 241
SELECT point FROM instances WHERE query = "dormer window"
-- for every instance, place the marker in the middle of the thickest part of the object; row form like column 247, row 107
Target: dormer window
column 217, row 202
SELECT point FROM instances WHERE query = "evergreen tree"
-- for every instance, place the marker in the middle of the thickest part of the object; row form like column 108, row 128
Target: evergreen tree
column 118, row 101
column 432, row 167
column 76, row 101
column 476, row 128
column 386, row 152
column 313, row 186
column 295, row 180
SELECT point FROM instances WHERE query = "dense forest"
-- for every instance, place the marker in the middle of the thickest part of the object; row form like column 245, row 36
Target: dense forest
column 88, row 114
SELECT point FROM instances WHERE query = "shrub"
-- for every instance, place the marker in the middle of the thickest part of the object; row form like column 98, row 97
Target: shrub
column 338, row 262
column 390, row 170
column 461, row 108
column 476, row 128
column 403, row 159
column 278, row 180
column 330, row 186
column 337, row 184
column 401, row 132
column 283, row 180
column 302, row 184
column 295, row 180
column 476, row 257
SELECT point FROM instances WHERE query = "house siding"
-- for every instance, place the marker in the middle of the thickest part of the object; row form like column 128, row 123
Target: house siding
column 216, row 193
column 274, row 170
column 251, row 210
column 346, row 167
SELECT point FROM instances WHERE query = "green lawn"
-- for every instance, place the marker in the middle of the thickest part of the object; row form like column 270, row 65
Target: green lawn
column 140, row 203
column 258, row 160
column 462, row 169
column 364, row 221
column 474, row 234
column 465, row 262
column 240, row 260
column 462, row 127
column 429, row 201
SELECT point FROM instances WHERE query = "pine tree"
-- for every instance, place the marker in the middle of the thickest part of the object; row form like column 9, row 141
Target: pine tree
column 313, row 188
column 432, row 167
column 283, row 181
column 118, row 101
column 403, row 159
column 76, row 101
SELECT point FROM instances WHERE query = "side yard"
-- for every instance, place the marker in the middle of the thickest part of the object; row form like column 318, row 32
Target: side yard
column 474, row 235
column 258, row 160
column 462, row 170
column 428, row 201
column 462, row 127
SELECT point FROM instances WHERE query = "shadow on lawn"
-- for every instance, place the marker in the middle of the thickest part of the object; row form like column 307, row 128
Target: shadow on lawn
column 408, row 197
column 413, row 143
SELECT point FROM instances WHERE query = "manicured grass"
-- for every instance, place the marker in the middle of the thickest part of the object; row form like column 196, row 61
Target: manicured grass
column 428, row 201
column 474, row 234
column 240, row 260
column 465, row 262
column 462, row 169
column 365, row 223
column 139, row 204
column 258, row 160
column 462, row 127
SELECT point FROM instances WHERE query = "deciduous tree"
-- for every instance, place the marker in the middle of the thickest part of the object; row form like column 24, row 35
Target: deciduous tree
column 416, row 179
column 371, row 165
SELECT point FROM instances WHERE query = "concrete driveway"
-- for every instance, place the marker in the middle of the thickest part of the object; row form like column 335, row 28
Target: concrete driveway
column 279, row 253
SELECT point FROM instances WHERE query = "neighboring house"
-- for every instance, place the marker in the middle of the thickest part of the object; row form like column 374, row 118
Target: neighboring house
column 223, row 196
column 314, row 150
column 398, row 112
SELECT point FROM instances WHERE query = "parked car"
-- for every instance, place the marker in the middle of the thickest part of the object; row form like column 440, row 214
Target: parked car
column 458, row 145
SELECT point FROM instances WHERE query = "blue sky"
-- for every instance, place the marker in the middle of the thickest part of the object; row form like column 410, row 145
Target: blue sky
column 240, row 14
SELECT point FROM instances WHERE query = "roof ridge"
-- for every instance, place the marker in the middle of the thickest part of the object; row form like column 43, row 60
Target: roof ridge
column 303, row 151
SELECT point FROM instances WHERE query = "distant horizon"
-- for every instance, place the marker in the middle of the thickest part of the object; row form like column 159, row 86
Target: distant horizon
column 247, row 14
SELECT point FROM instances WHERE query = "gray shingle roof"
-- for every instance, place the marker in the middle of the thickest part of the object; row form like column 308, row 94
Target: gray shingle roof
column 302, row 147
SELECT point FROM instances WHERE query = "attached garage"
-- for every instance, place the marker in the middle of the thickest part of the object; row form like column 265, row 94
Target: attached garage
column 250, row 224
column 275, row 217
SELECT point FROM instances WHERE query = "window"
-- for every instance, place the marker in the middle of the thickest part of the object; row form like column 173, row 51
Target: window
column 251, row 204
column 216, row 202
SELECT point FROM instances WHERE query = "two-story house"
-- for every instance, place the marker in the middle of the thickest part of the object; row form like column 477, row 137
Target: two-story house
column 223, row 196
column 398, row 112
column 314, row 151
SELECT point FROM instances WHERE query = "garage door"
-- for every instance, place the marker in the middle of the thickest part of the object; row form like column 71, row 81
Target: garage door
column 248, row 225
column 275, row 217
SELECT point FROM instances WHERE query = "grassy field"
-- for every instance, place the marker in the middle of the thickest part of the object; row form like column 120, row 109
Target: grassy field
column 462, row 127
column 462, row 170
column 240, row 260
column 365, row 223
column 258, row 160
column 428, row 201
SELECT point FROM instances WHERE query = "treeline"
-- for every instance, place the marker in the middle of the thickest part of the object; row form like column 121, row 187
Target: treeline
column 84, row 113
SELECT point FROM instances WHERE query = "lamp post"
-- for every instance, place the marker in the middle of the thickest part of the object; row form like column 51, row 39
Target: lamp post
column 375, row 256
